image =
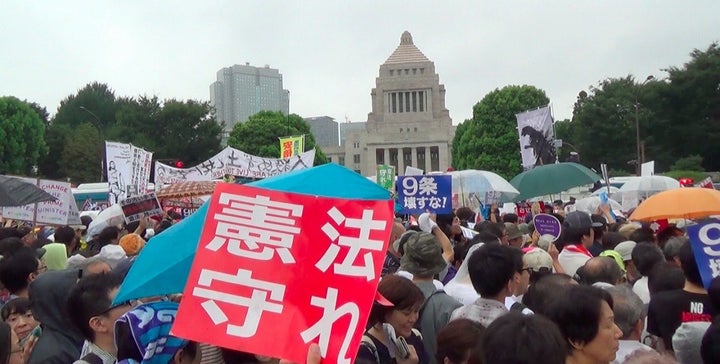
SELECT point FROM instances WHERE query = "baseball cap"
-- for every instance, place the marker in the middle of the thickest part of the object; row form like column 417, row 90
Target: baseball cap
column 580, row 220
column 538, row 260
column 625, row 249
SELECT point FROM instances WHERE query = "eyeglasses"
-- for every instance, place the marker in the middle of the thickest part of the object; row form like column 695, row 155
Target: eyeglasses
column 131, row 303
column 528, row 269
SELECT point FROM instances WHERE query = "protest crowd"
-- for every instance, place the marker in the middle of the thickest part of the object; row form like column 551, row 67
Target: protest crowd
column 471, row 286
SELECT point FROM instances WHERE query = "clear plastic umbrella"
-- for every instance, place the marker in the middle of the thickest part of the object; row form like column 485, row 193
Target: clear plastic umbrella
column 478, row 182
column 645, row 186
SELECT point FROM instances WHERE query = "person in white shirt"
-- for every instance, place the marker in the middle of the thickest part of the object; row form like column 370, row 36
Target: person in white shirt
column 579, row 235
column 630, row 314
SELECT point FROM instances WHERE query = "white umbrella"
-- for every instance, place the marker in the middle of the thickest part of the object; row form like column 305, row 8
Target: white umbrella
column 477, row 182
column 648, row 185
column 590, row 204
column 111, row 216
column 614, row 192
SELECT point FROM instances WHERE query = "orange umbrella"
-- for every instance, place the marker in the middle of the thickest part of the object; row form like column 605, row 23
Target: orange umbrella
column 680, row 203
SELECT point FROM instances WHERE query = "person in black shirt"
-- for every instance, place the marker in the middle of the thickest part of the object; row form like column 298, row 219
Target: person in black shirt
column 669, row 309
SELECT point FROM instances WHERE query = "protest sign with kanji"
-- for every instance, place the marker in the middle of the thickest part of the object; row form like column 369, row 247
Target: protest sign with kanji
column 275, row 271
column 385, row 176
column 705, row 242
column 418, row 194
column 134, row 208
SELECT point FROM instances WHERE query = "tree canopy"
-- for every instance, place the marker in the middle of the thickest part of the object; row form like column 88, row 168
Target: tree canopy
column 490, row 140
column 678, row 116
column 259, row 135
column 79, row 160
column 23, row 136
column 185, row 130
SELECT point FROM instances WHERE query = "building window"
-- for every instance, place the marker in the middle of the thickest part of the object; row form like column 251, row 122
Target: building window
column 407, row 102
column 391, row 72
column 380, row 156
column 416, row 129
column 394, row 102
column 341, row 160
column 407, row 71
column 422, row 71
column 356, row 158
column 414, row 101
column 414, row 71
column 400, row 101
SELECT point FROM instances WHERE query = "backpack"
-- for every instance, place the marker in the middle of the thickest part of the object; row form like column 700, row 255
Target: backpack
column 422, row 307
column 368, row 342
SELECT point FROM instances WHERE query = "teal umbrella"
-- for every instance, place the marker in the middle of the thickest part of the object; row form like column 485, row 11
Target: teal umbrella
column 164, row 264
column 552, row 178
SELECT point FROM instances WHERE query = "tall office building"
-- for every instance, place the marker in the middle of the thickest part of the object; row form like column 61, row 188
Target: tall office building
column 324, row 129
column 244, row 90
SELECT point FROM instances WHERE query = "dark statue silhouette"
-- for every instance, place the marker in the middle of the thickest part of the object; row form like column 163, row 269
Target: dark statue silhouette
column 542, row 147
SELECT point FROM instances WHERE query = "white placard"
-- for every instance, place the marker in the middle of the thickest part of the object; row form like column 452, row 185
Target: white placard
column 62, row 211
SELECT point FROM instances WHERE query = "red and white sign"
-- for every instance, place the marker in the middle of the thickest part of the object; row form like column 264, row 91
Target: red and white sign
column 706, row 183
column 276, row 271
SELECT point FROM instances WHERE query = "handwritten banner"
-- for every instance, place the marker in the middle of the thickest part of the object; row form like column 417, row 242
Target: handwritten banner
column 233, row 162
column 275, row 265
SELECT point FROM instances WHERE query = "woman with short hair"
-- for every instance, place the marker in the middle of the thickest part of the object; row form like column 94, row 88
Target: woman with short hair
column 585, row 317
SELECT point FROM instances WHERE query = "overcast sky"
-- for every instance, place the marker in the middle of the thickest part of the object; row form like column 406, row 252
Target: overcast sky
column 329, row 52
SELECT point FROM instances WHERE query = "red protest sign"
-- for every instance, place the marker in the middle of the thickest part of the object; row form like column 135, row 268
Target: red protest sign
column 275, row 271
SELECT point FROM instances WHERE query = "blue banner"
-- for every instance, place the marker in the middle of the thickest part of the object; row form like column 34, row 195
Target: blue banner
column 417, row 194
column 705, row 242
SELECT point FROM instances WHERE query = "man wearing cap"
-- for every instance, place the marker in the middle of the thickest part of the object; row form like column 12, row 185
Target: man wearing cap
column 514, row 235
column 624, row 249
column 423, row 257
column 578, row 230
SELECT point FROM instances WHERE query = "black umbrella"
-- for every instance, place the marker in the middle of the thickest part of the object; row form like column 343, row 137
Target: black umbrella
column 16, row 192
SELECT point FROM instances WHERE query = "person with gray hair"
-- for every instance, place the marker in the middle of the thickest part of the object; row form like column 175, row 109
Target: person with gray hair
column 630, row 313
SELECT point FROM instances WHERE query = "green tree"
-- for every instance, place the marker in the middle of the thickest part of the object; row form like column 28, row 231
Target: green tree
column 22, row 133
column 605, row 122
column 691, row 103
column 94, row 104
column 79, row 161
column 691, row 163
column 259, row 135
column 566, row 131
column 489, row 141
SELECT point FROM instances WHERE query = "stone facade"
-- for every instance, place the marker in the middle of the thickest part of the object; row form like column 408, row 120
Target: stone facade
column 409, row 124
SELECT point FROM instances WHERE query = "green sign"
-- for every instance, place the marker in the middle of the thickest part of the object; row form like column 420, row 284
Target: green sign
column 385, row 176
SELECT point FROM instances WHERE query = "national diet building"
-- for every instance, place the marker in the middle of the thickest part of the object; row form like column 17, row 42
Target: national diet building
column 409, row 124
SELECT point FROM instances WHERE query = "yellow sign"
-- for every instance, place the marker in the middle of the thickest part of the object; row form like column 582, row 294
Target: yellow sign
column 290, row 146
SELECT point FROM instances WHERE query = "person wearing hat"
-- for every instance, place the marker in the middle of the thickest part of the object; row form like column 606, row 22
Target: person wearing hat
column 514, row 235
column 578, row 230
column 423, row 258
column 624, row 249
column 392, row 256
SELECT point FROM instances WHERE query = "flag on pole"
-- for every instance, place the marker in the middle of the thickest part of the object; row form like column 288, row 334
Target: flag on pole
column 292, row 145
column 535, row 128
